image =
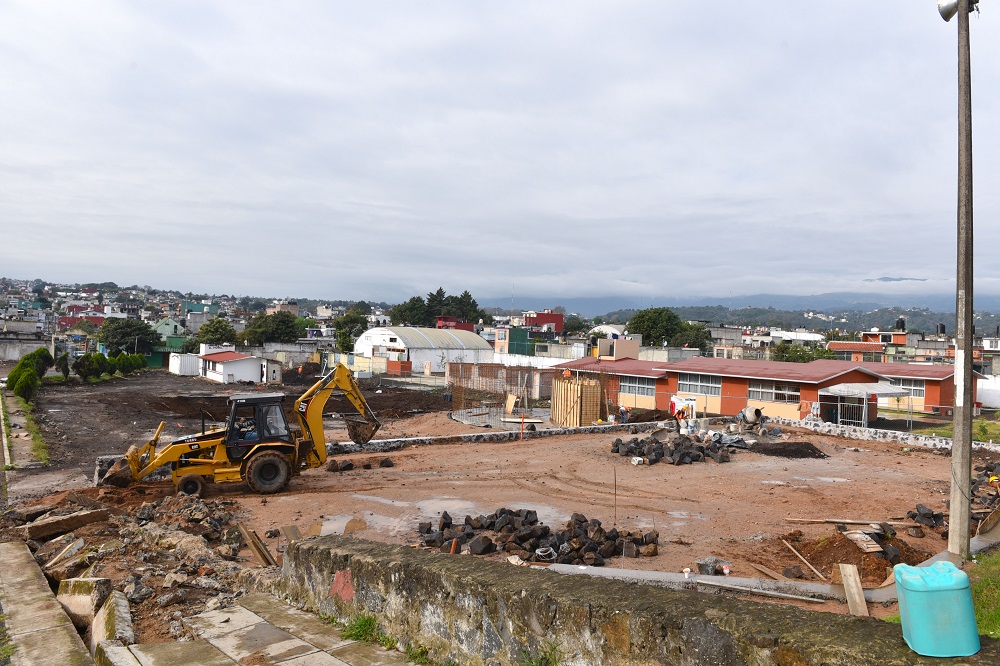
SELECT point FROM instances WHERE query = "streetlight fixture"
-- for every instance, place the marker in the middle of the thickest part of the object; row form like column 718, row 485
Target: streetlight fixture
column 961, row 448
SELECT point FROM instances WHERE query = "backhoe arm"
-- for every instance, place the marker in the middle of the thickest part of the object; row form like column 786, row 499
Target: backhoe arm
column 309, row 409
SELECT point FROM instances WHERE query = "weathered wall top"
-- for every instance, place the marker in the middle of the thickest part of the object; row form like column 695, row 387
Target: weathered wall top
column 484, row 612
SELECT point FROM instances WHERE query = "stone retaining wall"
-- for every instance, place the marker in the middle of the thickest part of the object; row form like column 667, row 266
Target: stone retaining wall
column 475, row 611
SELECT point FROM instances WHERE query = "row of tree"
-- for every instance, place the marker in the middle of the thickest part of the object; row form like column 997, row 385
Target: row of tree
column 418, row 311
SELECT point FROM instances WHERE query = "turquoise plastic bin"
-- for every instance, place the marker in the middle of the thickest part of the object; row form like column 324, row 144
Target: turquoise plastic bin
column 935, row 608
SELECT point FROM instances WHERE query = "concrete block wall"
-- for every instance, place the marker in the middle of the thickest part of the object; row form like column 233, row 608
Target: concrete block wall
column 475, row 611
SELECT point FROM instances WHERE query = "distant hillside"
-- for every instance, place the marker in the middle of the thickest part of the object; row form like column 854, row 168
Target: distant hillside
column 830, row 303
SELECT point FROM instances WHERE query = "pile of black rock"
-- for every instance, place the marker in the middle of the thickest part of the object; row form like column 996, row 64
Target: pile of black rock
column 518, row 532
column 926, row 516
column 680, row 449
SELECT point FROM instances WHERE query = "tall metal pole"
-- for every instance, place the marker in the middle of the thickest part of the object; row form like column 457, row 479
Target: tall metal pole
column 961, row 451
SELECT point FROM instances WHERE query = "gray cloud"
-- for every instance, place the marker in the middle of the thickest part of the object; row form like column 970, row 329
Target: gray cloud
column 377, row 150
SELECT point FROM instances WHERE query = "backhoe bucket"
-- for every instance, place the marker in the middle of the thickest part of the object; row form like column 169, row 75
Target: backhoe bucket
column 359, row 429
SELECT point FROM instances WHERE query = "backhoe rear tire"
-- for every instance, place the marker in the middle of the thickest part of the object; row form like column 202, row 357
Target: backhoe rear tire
column 191, row 484
column 268, row 472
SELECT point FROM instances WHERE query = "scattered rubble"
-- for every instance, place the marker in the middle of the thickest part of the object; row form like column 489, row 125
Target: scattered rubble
column 519, row 533
column 163, row 561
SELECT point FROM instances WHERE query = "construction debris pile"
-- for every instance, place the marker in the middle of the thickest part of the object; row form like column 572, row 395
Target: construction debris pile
column 679, row 449
column 519, row 533
column 170, row 558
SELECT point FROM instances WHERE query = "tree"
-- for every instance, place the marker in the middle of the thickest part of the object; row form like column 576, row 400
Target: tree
column 279, row 327
column 216, row 332
column 85, row 326
column 574, row 324
column 349, row 327
column 84, row 366
column 303, row 324
column 190, row 346
column 411, row 313
column 129, row 335
column 785, row 351
column 696, row 336
column 27, row 385
column 62, row 365
column 435, row 306
column 655, row 325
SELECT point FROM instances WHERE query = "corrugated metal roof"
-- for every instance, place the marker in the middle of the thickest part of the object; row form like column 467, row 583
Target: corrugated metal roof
column 437, row 338
column 623, row 366
column 813, row 372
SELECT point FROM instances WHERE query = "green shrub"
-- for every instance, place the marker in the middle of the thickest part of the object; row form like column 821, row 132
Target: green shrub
column 101, row 364
column 85, row 367
column 42, row 360
column 62, row 365
column 27, row 385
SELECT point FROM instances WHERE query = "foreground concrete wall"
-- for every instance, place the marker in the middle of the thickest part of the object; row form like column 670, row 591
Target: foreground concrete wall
column 480, row 612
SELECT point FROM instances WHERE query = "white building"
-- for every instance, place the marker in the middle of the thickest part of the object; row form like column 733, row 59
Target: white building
column 229, row 367
column 422, row 346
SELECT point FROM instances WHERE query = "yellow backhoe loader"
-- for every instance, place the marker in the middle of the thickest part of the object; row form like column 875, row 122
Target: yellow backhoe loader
column 256, row 444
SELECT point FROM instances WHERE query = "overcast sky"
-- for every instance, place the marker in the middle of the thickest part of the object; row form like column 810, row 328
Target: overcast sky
column 378, row 150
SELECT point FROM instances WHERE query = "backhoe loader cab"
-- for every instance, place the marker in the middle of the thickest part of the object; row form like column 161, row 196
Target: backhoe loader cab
column 256, row 445
column 254, row 420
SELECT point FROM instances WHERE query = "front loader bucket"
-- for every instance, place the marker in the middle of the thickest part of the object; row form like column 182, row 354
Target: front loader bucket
column 359, row 429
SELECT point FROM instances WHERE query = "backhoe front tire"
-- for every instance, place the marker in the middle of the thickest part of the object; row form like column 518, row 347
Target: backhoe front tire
column 191, row 484
column 268, row 473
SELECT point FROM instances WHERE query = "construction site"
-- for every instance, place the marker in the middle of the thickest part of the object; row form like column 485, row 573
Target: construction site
column 480, row 470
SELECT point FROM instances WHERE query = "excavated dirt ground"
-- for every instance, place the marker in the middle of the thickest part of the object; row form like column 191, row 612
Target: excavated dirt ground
column 736, row 511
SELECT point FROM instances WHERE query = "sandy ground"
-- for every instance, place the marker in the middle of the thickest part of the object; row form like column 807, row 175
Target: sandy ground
column 735, row 510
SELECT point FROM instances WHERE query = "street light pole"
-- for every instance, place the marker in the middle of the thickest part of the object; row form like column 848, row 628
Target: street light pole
column 961, row 451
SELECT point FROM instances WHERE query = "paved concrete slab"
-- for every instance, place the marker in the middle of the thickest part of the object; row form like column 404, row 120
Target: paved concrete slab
column 220, row 622
column 38, row 627
column 177, row 653
column 315, row 659
column 56, row 645
column 111, row 653
column 261, row 641
column 307, row 626
column 365, row 654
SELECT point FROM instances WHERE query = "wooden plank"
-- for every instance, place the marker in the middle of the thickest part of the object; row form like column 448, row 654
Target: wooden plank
column 256, row 546
column 751, row 590
column 804, row 560
column 768, row 572
column 509, row 405
column 291, row 533
column 852, row 588
column 840, row 521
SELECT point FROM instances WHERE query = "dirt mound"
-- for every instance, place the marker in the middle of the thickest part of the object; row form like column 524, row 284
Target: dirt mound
column 826, row 552
column 788, row 449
